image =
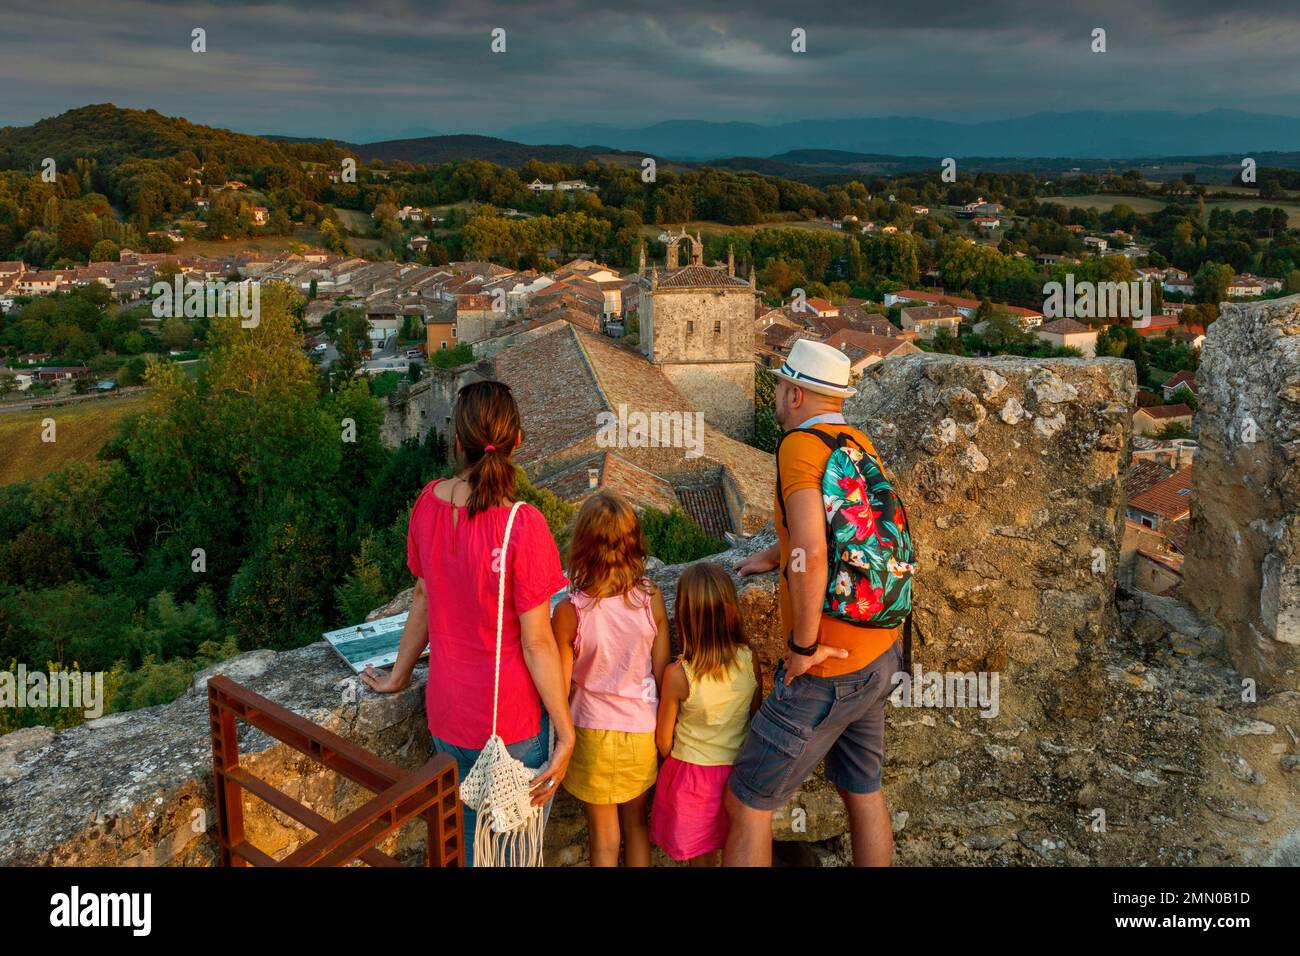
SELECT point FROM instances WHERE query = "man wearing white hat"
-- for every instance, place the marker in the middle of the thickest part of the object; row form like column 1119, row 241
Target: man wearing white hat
column 828, row 698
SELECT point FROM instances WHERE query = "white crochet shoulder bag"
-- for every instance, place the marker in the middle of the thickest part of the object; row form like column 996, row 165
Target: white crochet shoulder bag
column 509, row 829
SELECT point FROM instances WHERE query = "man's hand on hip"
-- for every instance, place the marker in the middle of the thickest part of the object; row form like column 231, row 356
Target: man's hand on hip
column 796, row 664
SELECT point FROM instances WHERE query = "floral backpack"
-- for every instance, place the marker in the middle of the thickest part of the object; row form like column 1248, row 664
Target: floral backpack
column 870, row 554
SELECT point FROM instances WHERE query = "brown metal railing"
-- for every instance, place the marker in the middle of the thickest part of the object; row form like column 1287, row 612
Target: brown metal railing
column 400, row 796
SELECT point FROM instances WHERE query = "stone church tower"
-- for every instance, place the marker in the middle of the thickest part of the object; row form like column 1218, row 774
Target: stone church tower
column 697, row 325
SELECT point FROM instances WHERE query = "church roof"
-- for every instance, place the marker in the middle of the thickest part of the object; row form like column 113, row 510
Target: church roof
column 700, row 277
column 586, row 374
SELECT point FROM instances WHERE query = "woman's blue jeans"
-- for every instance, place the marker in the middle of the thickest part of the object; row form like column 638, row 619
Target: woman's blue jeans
column 533, row 752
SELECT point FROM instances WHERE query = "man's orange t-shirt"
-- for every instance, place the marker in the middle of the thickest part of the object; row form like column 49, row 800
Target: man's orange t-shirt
column 803, row 461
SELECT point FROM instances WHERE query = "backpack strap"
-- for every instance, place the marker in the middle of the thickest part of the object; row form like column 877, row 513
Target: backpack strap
column 827, row 440
column 907, row 644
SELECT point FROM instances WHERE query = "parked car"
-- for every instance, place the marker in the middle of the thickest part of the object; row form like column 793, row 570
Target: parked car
column 414, row 354
column 321, row 347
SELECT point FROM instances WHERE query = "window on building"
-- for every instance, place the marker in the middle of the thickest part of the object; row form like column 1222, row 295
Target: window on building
column 717, row 328
column 690, row 327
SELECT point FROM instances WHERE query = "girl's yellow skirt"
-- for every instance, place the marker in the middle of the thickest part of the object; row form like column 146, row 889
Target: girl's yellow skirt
column 611, row 766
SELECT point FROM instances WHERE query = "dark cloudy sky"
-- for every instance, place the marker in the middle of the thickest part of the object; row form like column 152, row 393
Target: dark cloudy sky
column 363, row 70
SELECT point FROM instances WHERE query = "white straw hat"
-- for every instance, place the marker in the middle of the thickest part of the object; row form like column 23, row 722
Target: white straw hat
column 818, row 367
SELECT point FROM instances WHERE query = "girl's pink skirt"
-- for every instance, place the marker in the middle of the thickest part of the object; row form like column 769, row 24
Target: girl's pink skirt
column 688, row 818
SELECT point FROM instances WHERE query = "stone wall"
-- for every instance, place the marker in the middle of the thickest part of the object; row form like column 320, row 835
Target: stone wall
column 723, row 391
column 428, row 404
column 683, row 323
column 714, row 369
column 1012, row 471
column 135, row 789
column 1243, row 566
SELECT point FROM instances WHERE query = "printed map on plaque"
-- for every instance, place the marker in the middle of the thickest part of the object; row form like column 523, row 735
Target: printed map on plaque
column 370, row 643
column 375, row 643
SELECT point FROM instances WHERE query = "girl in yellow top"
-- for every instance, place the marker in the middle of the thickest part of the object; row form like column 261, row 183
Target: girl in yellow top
column 707, row 699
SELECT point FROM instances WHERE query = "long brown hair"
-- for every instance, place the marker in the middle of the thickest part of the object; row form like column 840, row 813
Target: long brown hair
column 607, row 553
column 487, row 427
column 707, row 615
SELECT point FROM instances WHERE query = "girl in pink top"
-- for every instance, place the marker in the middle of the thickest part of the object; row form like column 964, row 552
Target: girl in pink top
column 453, row 547
column 613, row 637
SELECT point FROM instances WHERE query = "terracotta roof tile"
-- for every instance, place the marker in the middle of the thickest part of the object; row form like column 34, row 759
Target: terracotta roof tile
column 1143, row 475
column 1167, row 411
column 1170, row 498
column 700, row 277
column 868, row 343
column 614, row 473
column 708, row 507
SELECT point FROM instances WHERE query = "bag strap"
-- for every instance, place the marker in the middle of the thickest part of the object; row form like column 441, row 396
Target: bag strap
column 501, row 611
column 827, row 440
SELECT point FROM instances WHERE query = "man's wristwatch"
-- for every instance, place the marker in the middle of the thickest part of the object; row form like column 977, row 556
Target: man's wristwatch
column 808, row 651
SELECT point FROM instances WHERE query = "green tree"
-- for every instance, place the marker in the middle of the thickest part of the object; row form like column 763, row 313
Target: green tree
column 1212, row 281
column 674, row 537
column 767, row 432
column 177, row 334
column 106, row 250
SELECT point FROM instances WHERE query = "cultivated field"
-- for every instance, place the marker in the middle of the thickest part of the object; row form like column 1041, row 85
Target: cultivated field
column 80, row 431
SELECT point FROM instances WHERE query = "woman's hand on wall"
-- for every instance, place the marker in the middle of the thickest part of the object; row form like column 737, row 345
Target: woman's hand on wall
column 415, row 638
column 385, row 682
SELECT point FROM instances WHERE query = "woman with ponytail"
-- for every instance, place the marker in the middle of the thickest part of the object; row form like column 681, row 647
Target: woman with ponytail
column 453, row 548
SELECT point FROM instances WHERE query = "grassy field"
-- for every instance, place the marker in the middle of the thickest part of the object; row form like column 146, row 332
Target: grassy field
column 1101, row 201
column 652, row 231
column 80, row 431
column 1236, row 205
column 1246, row 190
column 355, row 219
column 230, row 247
column 1147, row 204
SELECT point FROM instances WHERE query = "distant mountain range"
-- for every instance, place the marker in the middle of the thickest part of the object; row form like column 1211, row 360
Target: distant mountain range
column 1167, row 148
column 1079, row 135
column 450, row 148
